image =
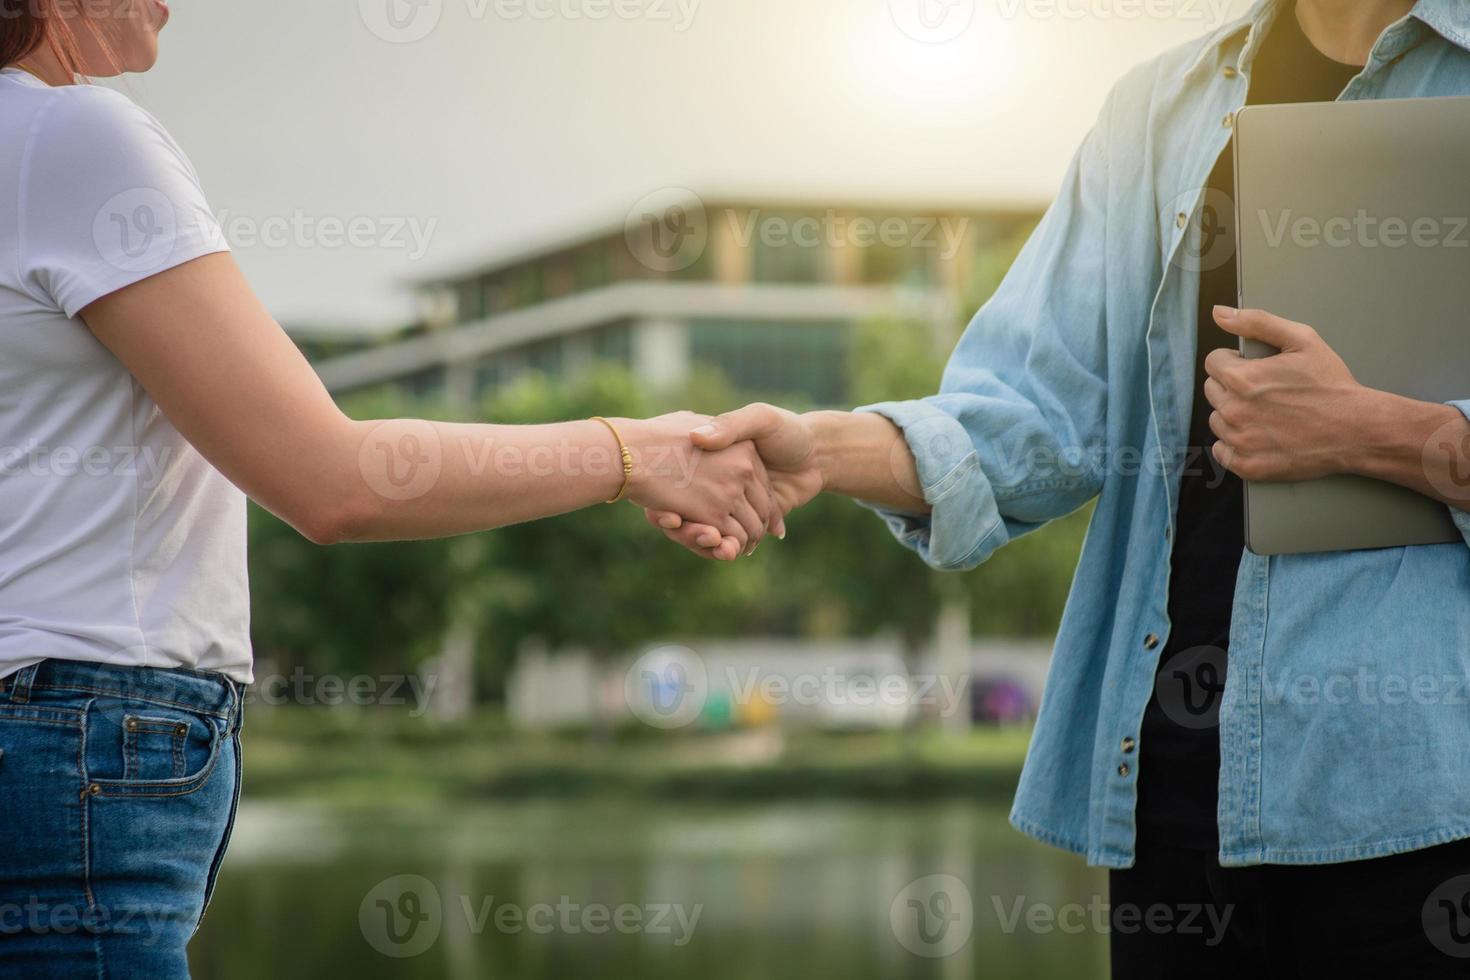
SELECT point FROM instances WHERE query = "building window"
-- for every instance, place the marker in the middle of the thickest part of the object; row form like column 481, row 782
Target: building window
column 897, row 265
column 808, row 360
column 470, row 300
column 787, row 250
column 591, row 268
column 426, row 384
column 613, row 343
column 529, row 286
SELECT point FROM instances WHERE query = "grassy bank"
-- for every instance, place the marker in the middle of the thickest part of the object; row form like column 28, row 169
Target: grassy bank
column 376, row 756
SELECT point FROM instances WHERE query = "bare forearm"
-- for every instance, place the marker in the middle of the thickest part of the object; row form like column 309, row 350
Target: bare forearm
column 1420, row 445
column 864, row 455
column 405, row 479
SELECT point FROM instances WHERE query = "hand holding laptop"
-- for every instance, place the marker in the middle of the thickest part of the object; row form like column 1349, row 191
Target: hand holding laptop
column 1285, row 417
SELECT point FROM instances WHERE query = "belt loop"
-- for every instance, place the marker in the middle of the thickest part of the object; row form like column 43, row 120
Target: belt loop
column 21, row 682
column 237, row 704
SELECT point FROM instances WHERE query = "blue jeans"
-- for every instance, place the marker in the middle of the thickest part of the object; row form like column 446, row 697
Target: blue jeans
column 118, row 788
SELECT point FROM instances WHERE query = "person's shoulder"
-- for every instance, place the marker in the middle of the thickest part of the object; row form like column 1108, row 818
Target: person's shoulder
column 102, row 112
column 1176, row 63
column 94, row 129
column 1147, row 90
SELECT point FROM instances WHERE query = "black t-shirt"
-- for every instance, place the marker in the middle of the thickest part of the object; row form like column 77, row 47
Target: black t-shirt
column 1179, row 745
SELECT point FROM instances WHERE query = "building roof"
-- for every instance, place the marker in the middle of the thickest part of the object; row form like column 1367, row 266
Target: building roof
column 609, row 226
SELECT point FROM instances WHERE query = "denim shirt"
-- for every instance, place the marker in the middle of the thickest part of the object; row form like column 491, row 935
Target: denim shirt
column 1345, row 720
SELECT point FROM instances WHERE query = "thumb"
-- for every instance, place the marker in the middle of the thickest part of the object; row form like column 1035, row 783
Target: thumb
column 1268, row 328
column 751, row 422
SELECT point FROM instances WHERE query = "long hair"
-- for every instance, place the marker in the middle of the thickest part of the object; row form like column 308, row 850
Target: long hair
column 25, row 25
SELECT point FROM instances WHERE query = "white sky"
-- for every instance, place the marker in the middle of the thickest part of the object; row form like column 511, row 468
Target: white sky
column 499, row 128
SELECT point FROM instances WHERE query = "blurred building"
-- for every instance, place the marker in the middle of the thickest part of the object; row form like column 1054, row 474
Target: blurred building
column 833, row 685
column 766, row 292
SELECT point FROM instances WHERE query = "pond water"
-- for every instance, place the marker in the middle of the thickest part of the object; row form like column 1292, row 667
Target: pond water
column 565, row 890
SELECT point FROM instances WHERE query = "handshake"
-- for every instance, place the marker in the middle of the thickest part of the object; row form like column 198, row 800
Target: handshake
column 717, row 486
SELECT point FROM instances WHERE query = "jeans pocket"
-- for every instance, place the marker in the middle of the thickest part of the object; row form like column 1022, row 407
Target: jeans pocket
column 145, row 749
column 153, row 747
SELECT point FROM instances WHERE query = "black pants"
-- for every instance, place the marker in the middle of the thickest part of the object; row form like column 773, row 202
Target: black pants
column 1177, row 913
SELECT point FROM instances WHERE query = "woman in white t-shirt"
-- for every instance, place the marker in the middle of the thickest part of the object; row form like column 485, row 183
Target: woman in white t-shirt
column 144, row 392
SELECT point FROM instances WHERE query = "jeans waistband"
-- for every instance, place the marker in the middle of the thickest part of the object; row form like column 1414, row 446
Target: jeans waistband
column 201, row 691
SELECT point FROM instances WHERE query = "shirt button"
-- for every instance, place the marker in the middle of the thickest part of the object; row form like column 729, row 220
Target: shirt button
column 1181, row 219
column 1123, row 770
column 1229, row 120
column 1128, row 746
column 1150, row 641
column 1230, row 71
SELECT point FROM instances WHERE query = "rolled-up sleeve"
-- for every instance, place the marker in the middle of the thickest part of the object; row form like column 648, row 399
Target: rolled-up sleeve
column 1462, row 517
column 963, row 506
column 1017, row 435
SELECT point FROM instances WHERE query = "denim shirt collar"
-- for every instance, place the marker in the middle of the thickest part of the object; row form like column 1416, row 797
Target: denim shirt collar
column 1449, row 18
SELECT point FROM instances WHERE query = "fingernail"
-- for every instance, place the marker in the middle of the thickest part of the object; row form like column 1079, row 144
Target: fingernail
column 704, row 430
column 1225, row 312
column 669, row 522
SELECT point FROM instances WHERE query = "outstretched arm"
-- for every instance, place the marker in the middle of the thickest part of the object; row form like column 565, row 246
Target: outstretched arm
column 221, row 369
column 855, row 454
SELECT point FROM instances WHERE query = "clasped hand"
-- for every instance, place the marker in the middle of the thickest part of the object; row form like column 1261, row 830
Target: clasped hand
column 717, row 486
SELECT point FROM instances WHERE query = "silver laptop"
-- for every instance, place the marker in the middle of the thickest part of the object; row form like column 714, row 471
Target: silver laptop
column 1354, row 217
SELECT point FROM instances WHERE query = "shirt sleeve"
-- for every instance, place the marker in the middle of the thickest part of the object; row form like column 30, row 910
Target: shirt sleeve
column 1461, row 516
column 1016, row 436
column 107, row 199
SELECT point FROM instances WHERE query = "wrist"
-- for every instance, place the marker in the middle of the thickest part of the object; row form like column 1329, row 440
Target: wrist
column 866, row 455
column 634, row 435
column 828, row 429
column 1389, row 433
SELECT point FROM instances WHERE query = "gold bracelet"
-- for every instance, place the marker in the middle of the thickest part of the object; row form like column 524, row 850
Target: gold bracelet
column 627, row 455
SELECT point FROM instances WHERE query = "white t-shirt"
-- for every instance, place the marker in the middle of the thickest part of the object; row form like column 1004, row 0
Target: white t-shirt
column 119, row 543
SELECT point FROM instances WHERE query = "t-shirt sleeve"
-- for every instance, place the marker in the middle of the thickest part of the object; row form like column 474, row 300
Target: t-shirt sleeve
column 107, row 199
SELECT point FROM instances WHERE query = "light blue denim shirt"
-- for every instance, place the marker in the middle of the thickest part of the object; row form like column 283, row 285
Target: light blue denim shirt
column 1345, row 723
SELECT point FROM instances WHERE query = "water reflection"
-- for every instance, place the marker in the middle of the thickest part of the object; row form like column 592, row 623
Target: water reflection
column 536, row 891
